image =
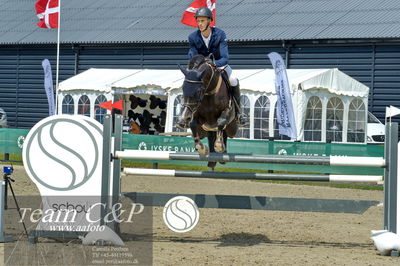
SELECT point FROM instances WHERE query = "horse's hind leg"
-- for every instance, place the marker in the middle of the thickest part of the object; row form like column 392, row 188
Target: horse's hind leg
column 200, row 147
column 211, row 140
column 226, row 146
column 219, row 144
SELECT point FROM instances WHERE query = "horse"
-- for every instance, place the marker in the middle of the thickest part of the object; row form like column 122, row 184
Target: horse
column 208, row 107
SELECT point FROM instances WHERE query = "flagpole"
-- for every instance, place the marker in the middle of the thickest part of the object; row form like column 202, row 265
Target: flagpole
column 58, row 53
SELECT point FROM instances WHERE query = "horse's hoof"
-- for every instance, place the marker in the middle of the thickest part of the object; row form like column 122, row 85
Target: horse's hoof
column 207, row 150
column 199, row 148
column 202, row 149
column 219, row 146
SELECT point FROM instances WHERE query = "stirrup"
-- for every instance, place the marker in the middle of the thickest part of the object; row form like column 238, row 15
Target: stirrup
column 242, row 120
column 180, row 125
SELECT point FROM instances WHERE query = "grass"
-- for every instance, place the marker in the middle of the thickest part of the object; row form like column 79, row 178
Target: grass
column 16, row 159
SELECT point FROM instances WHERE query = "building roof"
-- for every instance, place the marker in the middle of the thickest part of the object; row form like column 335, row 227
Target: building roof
column 158, row 21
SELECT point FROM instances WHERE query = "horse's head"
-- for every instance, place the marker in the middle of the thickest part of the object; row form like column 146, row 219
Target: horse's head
column 193, row 87
column 197, row 83
column 193, row 92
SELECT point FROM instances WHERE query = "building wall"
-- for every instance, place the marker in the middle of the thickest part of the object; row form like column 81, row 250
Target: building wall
column 376, row 64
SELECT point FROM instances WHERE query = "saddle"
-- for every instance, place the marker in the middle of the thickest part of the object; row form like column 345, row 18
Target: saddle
column 225, row 78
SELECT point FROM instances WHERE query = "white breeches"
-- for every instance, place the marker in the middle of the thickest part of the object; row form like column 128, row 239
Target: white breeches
column 232, row 79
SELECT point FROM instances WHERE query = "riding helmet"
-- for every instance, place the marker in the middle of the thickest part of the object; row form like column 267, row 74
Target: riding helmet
column 204, row 12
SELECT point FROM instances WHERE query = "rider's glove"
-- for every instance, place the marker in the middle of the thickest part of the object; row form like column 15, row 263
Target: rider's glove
column 210, row 61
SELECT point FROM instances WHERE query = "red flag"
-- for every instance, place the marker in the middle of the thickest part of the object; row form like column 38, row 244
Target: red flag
column 188, row 15
column 106, row 105
column 109, row 105
column 118, row 105
column 47, row 12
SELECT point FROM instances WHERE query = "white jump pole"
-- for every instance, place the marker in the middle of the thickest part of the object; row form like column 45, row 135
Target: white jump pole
column 249, row 158
column 259, row 176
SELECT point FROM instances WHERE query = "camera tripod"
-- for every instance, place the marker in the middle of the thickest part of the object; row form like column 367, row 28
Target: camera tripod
column 7, row 184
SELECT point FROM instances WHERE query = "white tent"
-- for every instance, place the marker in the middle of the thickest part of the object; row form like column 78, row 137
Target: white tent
column 305, row 83
column 153, row 82
column 332, row 80
column 95, row 79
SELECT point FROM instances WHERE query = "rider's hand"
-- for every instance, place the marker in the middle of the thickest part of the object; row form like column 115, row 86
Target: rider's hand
column 210, row 61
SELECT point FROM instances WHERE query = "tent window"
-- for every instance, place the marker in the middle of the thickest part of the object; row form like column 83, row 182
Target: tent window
column 356, row 127
column 84, row 105
column 68, row 105
column 276, row 126
column 313, row 122
column 244, row 132
column 177, row 112
column 334, row 120
column 261, row 118
column 98, row 111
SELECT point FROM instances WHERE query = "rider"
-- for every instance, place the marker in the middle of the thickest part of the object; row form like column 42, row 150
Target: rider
column 207, row 40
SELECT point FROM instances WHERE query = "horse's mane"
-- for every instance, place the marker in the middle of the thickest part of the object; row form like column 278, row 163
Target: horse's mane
column 196, row 62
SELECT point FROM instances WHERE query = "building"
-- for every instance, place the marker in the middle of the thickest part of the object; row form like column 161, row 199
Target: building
column 360, row 37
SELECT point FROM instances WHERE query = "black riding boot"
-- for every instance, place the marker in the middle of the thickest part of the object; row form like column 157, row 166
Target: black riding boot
column 241, row 118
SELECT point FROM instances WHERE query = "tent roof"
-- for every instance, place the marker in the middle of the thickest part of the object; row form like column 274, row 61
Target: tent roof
column 150, row 82
column 332, row 80
column 154, row 81
column 95, row 79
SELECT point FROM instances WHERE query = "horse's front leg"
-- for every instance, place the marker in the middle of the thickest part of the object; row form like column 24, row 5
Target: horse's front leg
column 200, row 147
column 211, row 136
column 219, row 144
column 222, row 120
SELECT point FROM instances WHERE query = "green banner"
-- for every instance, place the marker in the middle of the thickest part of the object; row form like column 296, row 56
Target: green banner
column 11, row 141
column 185, row 144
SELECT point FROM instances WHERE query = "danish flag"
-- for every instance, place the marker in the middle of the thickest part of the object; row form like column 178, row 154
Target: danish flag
column 47, row 12
column 188, row 15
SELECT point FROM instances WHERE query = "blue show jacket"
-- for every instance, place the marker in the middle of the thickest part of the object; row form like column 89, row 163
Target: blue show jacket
column 218, row 46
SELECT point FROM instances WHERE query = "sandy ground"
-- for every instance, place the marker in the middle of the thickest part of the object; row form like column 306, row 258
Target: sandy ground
column 246, row 237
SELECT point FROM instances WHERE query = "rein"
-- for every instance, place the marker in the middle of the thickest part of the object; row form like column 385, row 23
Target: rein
column 194, row 81
column 207, row 90
column 216, row 88
column 193, row 107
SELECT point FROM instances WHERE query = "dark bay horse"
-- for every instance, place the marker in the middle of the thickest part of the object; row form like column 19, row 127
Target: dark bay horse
column 208, row 108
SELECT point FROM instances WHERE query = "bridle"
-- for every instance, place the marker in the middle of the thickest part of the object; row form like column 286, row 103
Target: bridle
column 206, row 90
column 193, row 107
